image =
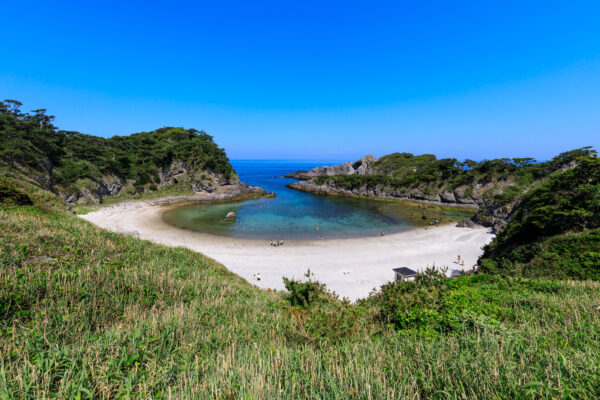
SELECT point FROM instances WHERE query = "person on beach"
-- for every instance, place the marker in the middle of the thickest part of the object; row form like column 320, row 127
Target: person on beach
column 254, row 277
column 281, row 242
column 258, row 278
column 316, row 229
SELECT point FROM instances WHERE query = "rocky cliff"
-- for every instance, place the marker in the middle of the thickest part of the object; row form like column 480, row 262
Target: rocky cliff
column 178, row 175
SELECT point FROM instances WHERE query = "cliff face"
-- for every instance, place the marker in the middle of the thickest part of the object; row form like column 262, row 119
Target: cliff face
column 178, row 174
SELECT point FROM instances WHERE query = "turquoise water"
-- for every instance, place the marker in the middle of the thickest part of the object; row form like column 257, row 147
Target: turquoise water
column 292, row 214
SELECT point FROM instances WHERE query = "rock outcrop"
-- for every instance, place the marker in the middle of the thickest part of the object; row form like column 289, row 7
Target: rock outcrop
column 358, row 167
column 385, row 193
column 178, row 173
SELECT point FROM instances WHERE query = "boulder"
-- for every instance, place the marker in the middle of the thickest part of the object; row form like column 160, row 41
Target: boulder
column 447, row 197
column 230, row 216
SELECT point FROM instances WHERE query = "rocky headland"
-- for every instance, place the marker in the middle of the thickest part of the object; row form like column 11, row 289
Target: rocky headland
column 82, row 168
column 492, row 187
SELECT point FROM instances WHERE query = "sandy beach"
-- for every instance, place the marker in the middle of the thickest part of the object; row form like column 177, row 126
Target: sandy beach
column 368, row 262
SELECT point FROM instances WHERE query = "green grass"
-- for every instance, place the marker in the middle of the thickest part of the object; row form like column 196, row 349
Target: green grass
column 113, row 316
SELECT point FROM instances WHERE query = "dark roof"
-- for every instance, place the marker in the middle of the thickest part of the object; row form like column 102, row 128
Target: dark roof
column 405, row 271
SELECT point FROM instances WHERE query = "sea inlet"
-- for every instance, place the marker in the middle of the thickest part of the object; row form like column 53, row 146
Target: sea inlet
column 295, row 215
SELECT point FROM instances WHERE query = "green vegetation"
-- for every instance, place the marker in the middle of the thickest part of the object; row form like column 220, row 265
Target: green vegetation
column 507, row 178
column 63, row 161
column 85, row 313
column 555, row 231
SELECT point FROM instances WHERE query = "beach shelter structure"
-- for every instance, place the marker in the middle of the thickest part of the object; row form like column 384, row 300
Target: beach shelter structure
column 404, row 274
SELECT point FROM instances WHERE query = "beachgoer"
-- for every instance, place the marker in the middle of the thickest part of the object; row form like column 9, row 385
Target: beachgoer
column 382, row 233
column 321, row 237
column 258, row 277
column 316, row 229
column 281, row 242
column 254, row 277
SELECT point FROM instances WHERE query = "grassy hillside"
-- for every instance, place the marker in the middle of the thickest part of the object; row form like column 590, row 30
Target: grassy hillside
column 85, row 313
column 555, row 231
column 69, row 161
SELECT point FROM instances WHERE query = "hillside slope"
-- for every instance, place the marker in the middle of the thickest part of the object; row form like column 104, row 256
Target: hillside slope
column 554, row 231
column 84, row 168
column 86, row 313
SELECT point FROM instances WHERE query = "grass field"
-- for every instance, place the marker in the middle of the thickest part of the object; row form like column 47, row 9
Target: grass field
column 106, row 315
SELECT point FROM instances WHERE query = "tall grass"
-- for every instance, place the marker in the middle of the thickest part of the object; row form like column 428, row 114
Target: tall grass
column 113, row 316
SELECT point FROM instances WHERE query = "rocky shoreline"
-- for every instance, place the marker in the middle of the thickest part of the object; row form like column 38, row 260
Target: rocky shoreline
column 223, row 193
column 489, row 213
column 378, row 193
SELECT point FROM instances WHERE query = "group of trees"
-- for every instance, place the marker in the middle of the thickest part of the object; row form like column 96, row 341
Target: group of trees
column 30, row 141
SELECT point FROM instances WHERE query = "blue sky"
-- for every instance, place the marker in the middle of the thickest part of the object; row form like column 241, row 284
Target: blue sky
column 315, row 79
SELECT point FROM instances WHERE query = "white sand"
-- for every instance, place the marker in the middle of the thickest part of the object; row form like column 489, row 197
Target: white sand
column 368, row 260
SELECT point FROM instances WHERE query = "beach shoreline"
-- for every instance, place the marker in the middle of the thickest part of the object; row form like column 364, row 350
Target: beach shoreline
column 369, row 260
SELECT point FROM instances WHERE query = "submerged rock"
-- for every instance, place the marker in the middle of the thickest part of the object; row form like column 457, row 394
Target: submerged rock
column 230, row 216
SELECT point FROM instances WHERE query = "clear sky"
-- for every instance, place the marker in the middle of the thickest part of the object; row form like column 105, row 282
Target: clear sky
column 315, row 79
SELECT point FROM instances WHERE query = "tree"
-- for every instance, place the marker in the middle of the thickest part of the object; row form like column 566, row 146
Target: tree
column 41, row 117
column 521, row 162
column 13, row 106
column 470, row 164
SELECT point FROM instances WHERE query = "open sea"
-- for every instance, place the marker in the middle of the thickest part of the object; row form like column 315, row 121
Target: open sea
column 292, row 214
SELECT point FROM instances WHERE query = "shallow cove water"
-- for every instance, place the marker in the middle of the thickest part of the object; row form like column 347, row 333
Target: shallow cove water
column 292, row 215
